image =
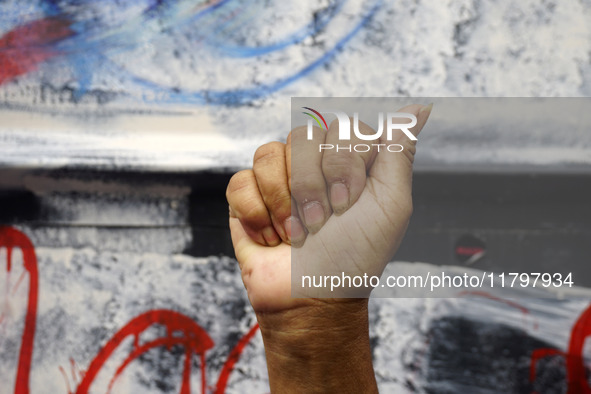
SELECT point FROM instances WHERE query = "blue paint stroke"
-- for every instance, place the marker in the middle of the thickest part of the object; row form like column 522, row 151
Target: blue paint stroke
column 322, row 19
column 90, row 51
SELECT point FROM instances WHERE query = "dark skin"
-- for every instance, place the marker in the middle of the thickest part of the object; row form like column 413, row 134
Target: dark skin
column 319, row 344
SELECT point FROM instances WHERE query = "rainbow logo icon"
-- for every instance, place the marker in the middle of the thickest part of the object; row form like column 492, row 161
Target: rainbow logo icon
column 316, row 118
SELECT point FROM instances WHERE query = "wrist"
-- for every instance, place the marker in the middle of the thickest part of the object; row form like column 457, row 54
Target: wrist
column 309, row 325
column 320, row 347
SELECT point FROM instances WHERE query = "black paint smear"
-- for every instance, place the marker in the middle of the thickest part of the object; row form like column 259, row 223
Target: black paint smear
column 18, row 206
column 208, row 216
column 471, row 356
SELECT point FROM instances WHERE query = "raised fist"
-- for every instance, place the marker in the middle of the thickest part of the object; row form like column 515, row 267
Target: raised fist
column 331, row 211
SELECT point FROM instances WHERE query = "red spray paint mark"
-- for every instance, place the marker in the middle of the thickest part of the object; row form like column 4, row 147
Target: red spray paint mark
column 539, row 354
column 65, row 376
column 512, row 304
column 192, row 337
column 575, row 367
column 10, row 239
column 25, row 47
column 233, row 357
column 468, row 251
column 76, row 373
column 194, row 340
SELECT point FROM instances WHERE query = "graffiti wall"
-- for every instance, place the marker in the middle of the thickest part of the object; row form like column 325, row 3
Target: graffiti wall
column 96, row 302
column 123, row 310
column 121, row 121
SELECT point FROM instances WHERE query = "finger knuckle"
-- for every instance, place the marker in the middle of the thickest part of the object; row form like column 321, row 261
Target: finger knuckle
column 334, row 125
column 308, row 188
column 298, row 133
column 239, row 181
column 339, row 172
column 281, row 203
column 269, row 153
column 365, row 129
column 338, row 163
column 276, row 194
column 254, row 213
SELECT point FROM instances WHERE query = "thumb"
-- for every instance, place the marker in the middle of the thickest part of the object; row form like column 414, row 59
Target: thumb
column 394, row 169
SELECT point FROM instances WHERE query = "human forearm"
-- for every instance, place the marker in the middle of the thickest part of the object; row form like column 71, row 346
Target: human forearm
column 319, row 345
column 320, row 348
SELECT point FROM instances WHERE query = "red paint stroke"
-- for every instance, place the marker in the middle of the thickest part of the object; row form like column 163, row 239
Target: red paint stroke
column 75, row 370
column 25, row 47
column 76, row 373
column 233, row 359
column 575, row 367
column 509, row 303
column 539, row 354
column 468, row 251
column 181, row 330
column 65, row 376
column 11, row 238
column 194, row 339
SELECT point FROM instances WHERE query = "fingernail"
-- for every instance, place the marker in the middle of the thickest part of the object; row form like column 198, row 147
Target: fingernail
column 270, row 236
column 426, row 109
column 313, row 216
column 294, row 230
column 339, row 197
